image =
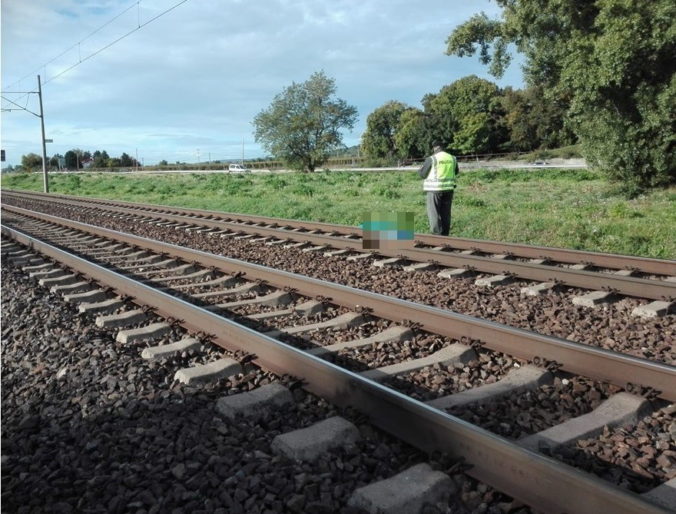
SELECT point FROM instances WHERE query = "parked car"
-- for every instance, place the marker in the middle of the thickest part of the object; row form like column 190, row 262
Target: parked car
column 238, row 168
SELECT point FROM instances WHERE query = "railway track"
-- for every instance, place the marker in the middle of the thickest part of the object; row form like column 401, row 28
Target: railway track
column 606, row 275
column 205, row 292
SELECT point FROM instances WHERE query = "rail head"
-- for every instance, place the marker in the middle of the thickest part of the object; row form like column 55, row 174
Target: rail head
column 531, row 477
column 600, row 259
column 577, row 358
column 627, row 285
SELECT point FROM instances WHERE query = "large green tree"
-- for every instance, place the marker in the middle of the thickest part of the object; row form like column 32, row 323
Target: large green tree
column 303, row 123
column 31, row 161
column 534, row 121
column 612, row 59
column 100, row 159
column 72, row 159
column 414, row 135
column 126, row 160
column 467, row 115
column 381, row 126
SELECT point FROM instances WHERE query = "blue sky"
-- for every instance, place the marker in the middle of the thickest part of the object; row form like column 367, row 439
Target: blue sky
column 191, row 82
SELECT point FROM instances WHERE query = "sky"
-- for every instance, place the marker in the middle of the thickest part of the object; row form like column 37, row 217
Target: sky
column 187, row 86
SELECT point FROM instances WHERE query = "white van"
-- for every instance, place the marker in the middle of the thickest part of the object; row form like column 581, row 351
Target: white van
column 238, row 168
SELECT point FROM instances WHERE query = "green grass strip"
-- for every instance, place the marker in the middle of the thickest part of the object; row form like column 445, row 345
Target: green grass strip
column 571, row 208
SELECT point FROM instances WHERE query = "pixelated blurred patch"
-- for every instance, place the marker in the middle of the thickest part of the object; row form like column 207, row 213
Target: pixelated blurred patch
column 380, row 227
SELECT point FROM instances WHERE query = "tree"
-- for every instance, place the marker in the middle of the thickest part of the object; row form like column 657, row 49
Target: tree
column 534, row 121
column 74, row 158
column 381, row 125
column 100, row 159
column 79, row 157
column 71, row 159
column 467, row 115
column 31, row 161
column 54, row 161
column 611, row 59
column 126, row 160
column 302, row 125
column 414, row 136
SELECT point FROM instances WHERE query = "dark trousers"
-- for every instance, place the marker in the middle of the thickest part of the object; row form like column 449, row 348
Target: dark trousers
column 439, row 211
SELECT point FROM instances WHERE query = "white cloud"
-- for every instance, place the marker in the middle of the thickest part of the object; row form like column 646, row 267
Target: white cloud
column 197, row 76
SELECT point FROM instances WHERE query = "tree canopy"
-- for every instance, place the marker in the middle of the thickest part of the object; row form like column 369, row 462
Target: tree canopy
column 613, row 62
column 413, row 137
column 77, row 159
column 466, row 115
column 381, row 126
column 100, row 159
column 303, row 123
column 470, row 116
column 72, row 159
column 533, row 120
column 31, row 161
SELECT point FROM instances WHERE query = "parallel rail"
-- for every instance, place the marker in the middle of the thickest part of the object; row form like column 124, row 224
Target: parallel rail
column 599, row 259
column 616, row 368
column 631, row 286
column 533, row 478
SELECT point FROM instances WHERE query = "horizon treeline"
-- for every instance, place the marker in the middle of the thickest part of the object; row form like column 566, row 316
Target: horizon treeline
column 469, row 116
column 76, row 159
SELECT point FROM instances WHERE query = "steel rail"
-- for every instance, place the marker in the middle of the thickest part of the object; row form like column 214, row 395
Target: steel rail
column 563, row 255
column 629, row 286
column 539, row 481
column 577, row 358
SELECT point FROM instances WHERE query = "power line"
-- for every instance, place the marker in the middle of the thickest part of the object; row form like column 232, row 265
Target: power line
column 138, row 27
column 19, row 107
column 74, row 45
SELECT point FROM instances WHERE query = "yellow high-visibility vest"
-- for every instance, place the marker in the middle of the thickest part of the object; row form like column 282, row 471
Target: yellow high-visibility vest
column 442, row 174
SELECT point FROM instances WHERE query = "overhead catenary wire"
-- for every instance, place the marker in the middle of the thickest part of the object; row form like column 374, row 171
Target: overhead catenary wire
column 87, row 57
column 20, row 108
column 32, row 73
column 139, row 27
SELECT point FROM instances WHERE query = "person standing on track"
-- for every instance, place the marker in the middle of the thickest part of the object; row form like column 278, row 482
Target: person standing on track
column 439, row 172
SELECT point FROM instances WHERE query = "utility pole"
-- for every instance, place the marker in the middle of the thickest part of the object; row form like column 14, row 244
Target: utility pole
column 45, row 176
column 242, row 151
column 42, row 126
column 136, row 163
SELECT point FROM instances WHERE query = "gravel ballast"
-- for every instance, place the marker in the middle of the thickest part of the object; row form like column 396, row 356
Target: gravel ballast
column 88, row 426
column 612, row 327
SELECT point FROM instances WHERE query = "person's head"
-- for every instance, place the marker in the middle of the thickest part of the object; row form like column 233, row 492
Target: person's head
column 437, row 146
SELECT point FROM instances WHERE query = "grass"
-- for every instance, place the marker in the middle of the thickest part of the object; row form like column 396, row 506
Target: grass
column 550, row 207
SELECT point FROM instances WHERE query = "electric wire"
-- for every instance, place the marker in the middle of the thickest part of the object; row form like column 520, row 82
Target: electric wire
column 74, row 45
column 113, row 42
column 86, row 58
column 20, row 108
